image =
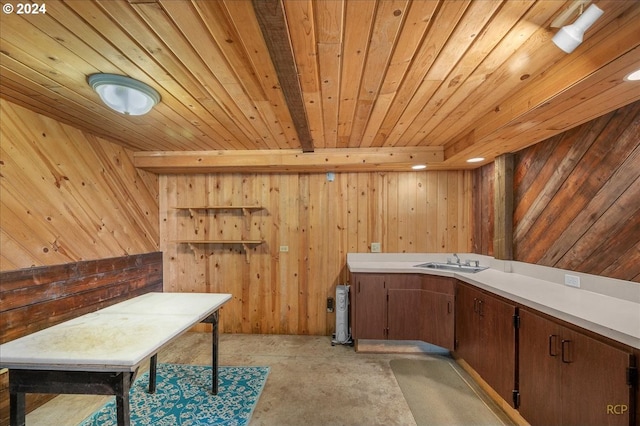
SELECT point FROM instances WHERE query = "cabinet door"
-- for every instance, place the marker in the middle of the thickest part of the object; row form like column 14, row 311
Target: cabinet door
column 414, row 313
column 437, row 318
column 497, row 360
column 568, row 378
column 370, row 307
column 466, row 324
column 403, row 306
column 403, row 316
column 594, row 383
column 539, row 370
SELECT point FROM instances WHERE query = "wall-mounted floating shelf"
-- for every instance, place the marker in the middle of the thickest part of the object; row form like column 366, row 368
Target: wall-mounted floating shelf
column 245, row 209
column 247, row 244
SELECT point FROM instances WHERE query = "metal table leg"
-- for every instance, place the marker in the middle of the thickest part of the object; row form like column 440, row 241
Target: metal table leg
column 121, row 388
column 213, row 320
column 214, row 357
column 153, row 368
column 17, row 407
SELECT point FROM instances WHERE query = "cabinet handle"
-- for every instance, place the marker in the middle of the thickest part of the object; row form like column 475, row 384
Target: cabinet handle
column 566, row 359
column 480, row 307
column 448, row 307
column 475, row 305
column 552, row 345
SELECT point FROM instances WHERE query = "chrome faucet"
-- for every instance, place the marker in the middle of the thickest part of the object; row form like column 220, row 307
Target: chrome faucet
column 457, row 258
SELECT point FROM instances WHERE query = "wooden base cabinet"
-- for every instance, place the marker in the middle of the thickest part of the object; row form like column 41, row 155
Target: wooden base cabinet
column 486, row 338
column 569, row 378
column 403, row 307
column 369, row 306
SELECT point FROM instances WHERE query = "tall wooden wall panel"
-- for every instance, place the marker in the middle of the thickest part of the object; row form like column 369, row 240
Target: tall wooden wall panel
column 483, row 186
column 318, row 220
column 67, row 196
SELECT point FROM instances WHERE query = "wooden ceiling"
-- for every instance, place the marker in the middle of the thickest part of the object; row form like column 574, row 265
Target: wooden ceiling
column 298, row 85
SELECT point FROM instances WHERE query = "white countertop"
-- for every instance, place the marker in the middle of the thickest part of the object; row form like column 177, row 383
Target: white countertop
column 116, row 338
column 613, row 317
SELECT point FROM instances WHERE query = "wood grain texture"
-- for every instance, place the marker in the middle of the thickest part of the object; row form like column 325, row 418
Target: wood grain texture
column 270, row 16
column 40, row 297
column 503, row 207
column 483, row 211
column 474, row 78
column 68, row 195
column 576, row 198
column 318, row 220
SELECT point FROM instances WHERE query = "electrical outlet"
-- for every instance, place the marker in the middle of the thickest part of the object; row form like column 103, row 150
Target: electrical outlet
column 375, row 248
column 284, row 248
column 572, row 280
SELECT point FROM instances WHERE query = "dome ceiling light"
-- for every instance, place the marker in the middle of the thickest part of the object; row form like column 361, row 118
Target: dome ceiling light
column 124, row 94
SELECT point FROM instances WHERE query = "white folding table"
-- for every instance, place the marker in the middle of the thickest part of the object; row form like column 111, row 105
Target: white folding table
column 100, row 352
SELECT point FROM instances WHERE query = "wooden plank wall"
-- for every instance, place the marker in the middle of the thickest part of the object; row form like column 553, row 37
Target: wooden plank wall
column 318, row 220
column 37, row 298
column 576, row 198
column 67, row 196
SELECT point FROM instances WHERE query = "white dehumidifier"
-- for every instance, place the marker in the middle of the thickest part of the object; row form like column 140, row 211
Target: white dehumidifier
column 343, row 331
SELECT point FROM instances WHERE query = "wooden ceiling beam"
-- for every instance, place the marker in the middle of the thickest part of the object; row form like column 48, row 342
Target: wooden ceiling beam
column 288, row 161
column 273, row 24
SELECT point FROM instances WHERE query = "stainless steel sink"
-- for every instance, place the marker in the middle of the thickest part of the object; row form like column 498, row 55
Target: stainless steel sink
column 454, row 267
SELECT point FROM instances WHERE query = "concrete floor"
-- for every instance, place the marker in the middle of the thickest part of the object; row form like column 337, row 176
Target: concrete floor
column 310, row 383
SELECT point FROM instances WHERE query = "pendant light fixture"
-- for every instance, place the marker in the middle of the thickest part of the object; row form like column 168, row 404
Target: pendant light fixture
column 570, row 36
column 124, row 94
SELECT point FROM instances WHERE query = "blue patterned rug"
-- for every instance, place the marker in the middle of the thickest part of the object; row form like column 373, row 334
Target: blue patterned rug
column 183, row 397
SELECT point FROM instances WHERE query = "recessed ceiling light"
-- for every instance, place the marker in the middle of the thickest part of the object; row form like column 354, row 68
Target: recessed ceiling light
column 475, row 160
column 634, row 76
column 419, row 167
